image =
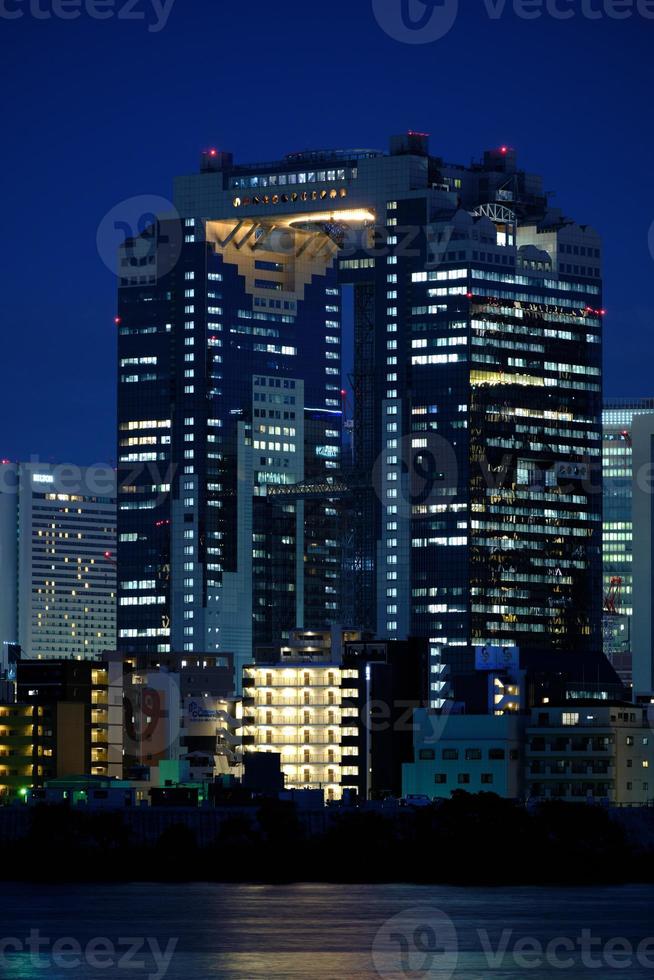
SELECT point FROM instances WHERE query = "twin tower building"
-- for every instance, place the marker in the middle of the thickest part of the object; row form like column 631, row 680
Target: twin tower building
column 460, row 499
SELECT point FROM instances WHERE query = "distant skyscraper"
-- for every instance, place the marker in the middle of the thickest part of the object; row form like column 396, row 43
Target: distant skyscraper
column 477, row 384
column 618, row 418
column 642, row 645
column 57, row 559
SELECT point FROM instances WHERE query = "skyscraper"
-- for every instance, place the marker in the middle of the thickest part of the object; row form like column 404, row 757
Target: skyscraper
column 57, row 559
column 618, row 539
column 229, row 384
column 642, row 645
column 477, row 386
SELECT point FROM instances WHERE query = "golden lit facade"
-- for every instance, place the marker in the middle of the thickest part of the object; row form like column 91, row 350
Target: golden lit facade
column 107, row 721
column 19, row 724
column 307, row 713
column 67, row 721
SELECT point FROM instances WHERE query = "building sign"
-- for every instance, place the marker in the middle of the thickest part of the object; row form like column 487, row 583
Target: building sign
column 197, row 710
column 497, row 658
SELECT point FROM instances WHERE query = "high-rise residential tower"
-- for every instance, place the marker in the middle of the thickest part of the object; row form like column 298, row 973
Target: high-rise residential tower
column 477, row 386
column 58, row 559
column 618, row 538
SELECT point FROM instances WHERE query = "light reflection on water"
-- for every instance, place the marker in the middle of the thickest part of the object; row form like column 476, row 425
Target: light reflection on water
column 302, row 932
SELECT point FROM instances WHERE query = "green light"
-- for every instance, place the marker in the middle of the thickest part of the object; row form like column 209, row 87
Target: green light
column 23, row 791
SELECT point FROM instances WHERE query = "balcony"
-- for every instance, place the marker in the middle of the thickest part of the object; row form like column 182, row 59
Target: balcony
column 577, row 793
column 291, row 682
column 23, row 737
column 547, row 748
column 301, row 717
column 291, row 782
column 570, row 771
column 317, row 759
column 278, row 741
column 292, row 700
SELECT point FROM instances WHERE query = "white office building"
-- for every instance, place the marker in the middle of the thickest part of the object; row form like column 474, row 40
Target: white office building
column 57, row 559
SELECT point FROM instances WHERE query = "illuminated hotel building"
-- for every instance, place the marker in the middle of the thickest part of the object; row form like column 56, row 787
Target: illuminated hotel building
column 477, row 387
column 57, row 559
column 617, row 467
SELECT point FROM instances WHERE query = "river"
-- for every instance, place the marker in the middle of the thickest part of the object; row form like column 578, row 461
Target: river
column 320, row 932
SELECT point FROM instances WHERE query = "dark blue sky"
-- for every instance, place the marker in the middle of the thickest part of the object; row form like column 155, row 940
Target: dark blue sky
column 98, row 111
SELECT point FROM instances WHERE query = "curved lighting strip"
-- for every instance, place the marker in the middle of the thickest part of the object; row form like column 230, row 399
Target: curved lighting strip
column 353, row 217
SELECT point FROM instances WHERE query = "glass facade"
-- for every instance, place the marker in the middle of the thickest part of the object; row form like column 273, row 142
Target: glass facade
column 477, row 387
column 617, row 456
column 229, row 384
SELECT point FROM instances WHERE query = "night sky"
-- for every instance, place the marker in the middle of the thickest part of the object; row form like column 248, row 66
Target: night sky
column 95, row 112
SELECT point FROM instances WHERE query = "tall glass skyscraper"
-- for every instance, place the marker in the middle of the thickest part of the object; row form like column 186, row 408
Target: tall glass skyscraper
column 617, row 464
column 229, row 384
column 478, row 396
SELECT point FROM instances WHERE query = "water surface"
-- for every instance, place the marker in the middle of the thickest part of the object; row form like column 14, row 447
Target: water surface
column 320, row 932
